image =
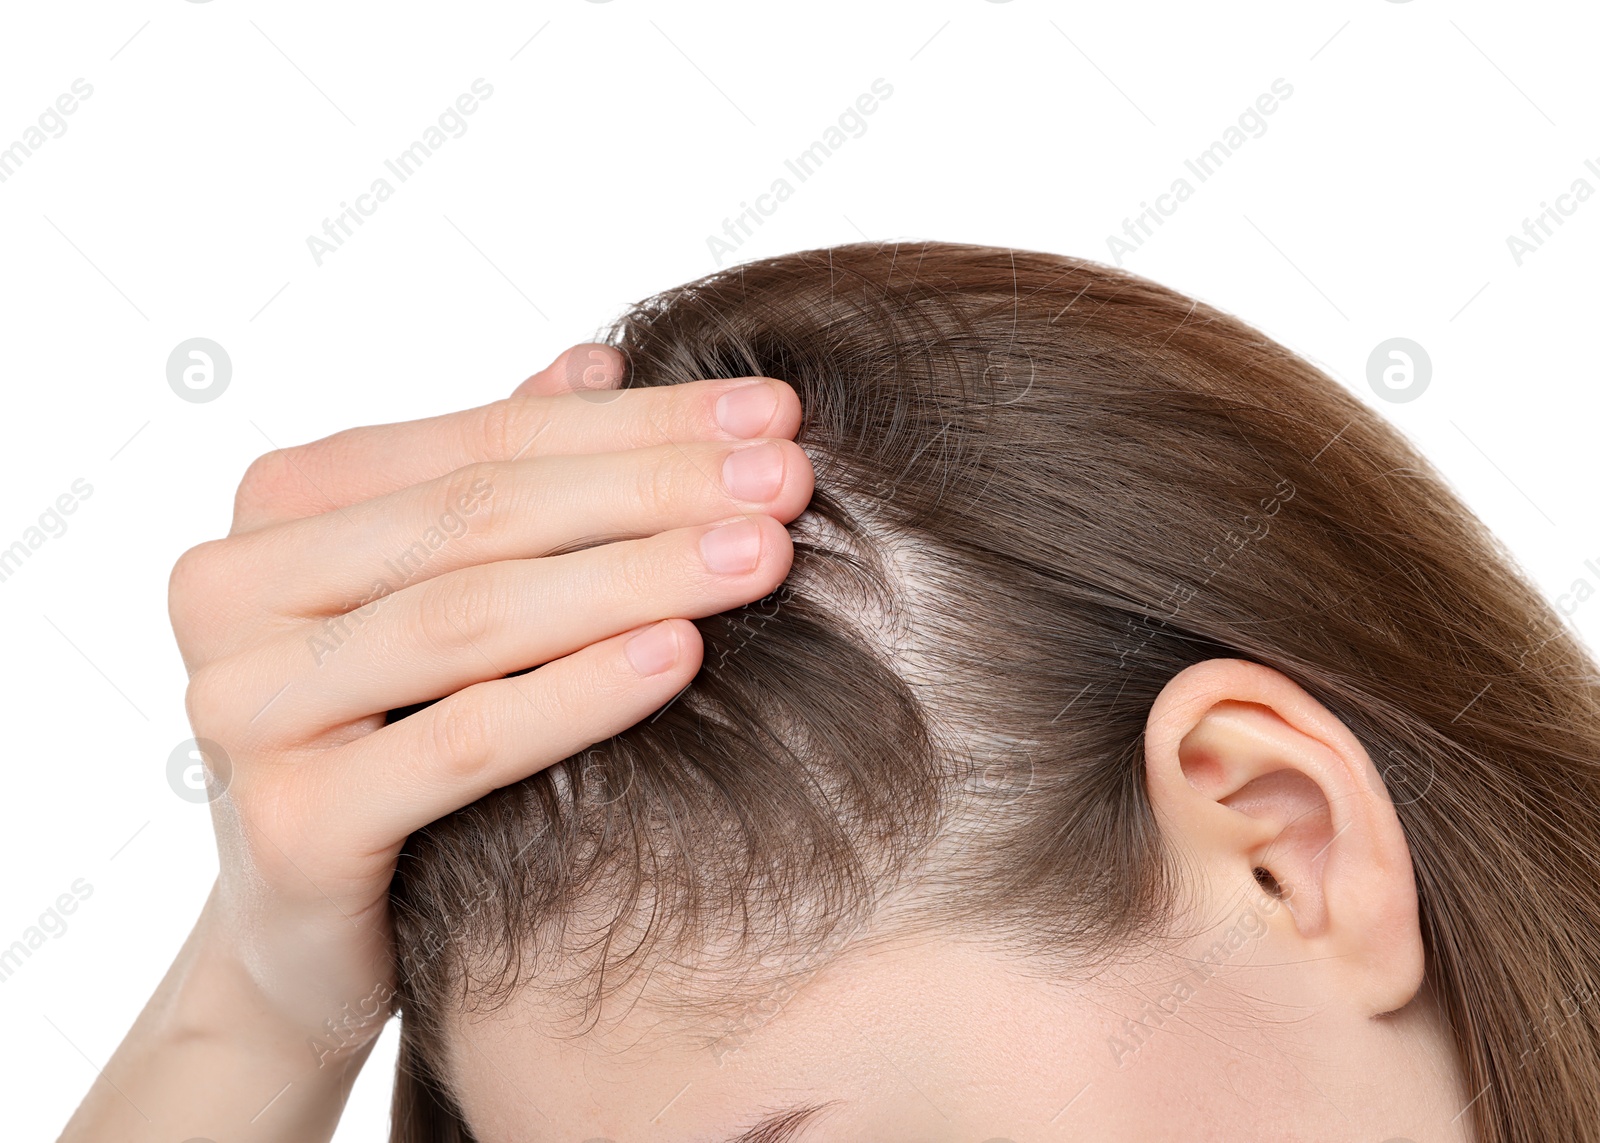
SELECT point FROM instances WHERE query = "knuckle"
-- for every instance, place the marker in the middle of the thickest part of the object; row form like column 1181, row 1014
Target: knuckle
column 661, row 484
column 496, row 427
column 211, row 696
column 570, row 702
column 195, row 574
column 200, row 589
column 508, row 427
column 457, row 612
column 475, row 499
column 643, row 572
column 275, row 818
column 461, row 734
column 271, row 478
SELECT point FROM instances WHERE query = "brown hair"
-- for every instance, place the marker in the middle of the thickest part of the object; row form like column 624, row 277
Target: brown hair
column 1044, row 487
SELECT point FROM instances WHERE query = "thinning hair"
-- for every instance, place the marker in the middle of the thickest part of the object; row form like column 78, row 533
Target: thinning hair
column 1043, row 488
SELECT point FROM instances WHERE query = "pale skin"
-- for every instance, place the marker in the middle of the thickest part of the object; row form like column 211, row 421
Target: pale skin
column 1302, row 1012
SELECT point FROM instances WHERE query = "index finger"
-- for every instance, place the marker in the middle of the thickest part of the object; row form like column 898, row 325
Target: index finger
column 374, row 460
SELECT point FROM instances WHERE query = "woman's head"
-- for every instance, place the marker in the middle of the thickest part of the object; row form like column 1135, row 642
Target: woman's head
column 1144, row 738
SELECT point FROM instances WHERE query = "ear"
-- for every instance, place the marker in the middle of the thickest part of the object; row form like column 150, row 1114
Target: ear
column 1249, row 773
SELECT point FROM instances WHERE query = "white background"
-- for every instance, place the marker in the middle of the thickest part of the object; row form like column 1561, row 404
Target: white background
column 619, row 136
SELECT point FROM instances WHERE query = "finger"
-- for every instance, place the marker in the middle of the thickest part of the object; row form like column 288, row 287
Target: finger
column 590, row 367
column 396, row 780
column 495, row 619
column 519, row 510
column 358, row 464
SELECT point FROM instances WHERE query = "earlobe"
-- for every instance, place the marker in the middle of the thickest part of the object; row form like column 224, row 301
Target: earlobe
column 1262, row 791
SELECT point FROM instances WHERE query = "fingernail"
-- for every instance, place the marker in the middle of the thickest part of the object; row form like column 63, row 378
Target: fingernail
column 732, row 548
column 754, row 473
column 654, row 649
column 748, row 410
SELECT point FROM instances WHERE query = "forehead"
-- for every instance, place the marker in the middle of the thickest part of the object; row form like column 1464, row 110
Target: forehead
column 942, row 1039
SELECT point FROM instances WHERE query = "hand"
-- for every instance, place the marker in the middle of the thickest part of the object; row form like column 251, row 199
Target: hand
column 395, row 564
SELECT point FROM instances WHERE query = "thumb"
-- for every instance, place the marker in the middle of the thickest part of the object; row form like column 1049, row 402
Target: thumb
column 587, row 366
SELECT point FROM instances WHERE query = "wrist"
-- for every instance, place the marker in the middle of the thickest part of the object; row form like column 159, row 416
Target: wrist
column 222, row 1002
column 214, row 1050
